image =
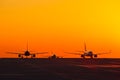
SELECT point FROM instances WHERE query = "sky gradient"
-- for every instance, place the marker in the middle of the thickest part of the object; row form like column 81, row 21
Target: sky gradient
column 60, row 25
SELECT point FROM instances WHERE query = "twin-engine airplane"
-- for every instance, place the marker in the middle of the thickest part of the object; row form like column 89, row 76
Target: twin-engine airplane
column 27, row 53
column 87, row 53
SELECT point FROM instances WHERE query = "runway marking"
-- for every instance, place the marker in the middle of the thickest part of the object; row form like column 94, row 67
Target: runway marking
column 11, row 74
column 94, row 66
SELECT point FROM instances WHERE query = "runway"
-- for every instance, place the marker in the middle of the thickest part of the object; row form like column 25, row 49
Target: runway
column 59, row 69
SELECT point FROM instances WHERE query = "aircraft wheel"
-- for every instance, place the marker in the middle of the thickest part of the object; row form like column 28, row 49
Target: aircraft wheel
column 91, row 56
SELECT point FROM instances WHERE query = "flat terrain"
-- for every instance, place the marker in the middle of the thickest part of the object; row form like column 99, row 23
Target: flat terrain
column 59, row 69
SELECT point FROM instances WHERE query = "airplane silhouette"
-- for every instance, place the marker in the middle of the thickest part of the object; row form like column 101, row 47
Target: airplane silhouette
column 54, row 56
column 27, row 53
column 87, row 53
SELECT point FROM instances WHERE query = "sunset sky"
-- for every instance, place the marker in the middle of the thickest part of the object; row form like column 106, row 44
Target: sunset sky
column 60, row 26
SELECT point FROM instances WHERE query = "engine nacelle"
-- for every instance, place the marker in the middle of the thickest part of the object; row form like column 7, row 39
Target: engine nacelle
column 33, row 55
column 82, row 56
column 95, row 55
column 19, row 55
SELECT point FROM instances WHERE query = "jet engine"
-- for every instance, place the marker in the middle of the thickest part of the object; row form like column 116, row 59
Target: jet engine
column 95, row 55
column 33, row 55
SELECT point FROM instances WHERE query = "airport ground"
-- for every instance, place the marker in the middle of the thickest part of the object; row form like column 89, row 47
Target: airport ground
column 59, row 69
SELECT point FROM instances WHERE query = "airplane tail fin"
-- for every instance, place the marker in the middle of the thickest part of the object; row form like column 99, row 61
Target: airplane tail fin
column 52, row 52
column 85, row 47
column 27, row 46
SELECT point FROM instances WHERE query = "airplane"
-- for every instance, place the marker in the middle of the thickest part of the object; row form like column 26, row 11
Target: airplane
column 54, row 56
column 87, row 53
column 26, row 53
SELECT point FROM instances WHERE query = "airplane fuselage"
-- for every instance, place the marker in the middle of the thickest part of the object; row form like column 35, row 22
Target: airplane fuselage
column 27, row 53
column 88, row 54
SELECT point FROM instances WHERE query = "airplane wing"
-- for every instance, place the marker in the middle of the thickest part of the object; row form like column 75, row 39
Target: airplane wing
column 101, row 53
column 81, row 51
column 76, row 53
column 13, row 53
column 104, row 53
column 39, row 53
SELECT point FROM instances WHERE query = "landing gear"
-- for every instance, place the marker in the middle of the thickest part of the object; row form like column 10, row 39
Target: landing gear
column 91, row 56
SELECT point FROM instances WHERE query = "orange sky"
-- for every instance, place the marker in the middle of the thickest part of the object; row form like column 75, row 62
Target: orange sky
column 60, row 25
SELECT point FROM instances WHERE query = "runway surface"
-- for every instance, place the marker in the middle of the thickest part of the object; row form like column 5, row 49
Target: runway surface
column 59, row 69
